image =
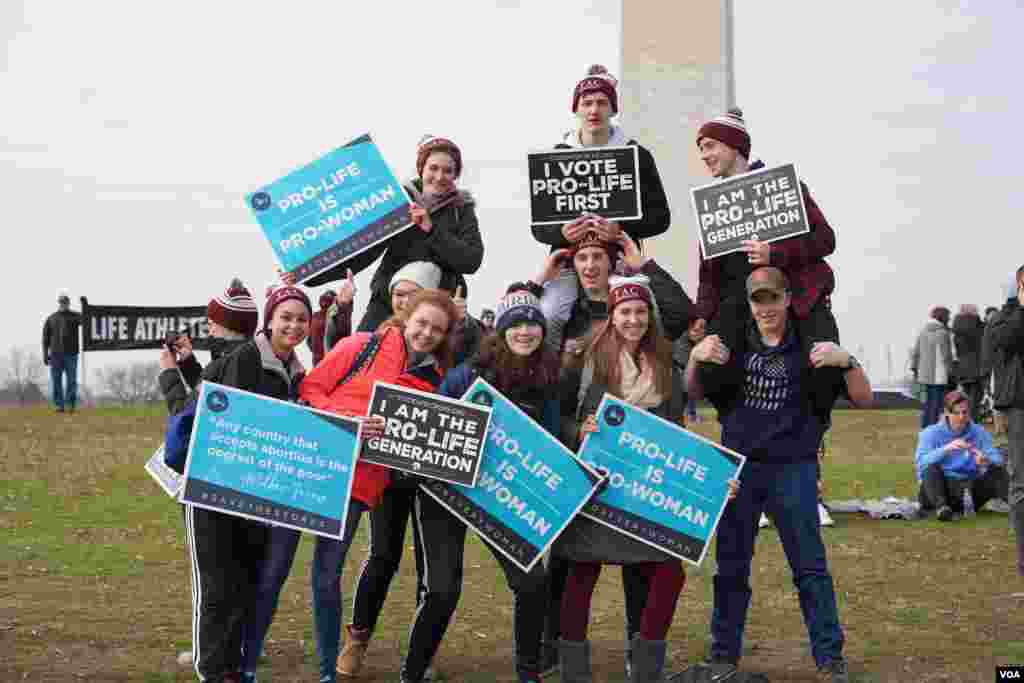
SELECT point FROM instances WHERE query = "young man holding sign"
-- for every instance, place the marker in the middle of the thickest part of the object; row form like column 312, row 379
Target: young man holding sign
column 595, row 101
column 774, row 410
column 724, row 145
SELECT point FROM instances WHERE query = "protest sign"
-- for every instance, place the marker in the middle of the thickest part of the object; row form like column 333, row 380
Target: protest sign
column 426, row 434
column 764, row 205
column 331, row 209
column 667, row 487
column 129, row 328
column 169, row 480
column 530, row 487
column 270, row 460
column 600, row 180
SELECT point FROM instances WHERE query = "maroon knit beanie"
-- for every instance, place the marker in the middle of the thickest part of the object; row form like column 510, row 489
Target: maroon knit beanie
column 278, row 297
column 430, row 144
column 597, row 80
column 729, row 129
column 234, row 309
column 593, row 239
column 627, row 291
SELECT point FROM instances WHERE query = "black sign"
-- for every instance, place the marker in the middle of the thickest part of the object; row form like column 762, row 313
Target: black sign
column 765, row 205
column 570, row 182
column 128, row 328
column 428, row 435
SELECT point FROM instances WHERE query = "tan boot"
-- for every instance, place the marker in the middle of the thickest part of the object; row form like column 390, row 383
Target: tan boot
column 350, row 661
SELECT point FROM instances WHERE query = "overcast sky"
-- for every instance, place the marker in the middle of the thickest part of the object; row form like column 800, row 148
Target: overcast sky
column 128, row 140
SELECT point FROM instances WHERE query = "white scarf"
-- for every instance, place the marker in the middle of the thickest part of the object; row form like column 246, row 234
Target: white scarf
column 637, row 385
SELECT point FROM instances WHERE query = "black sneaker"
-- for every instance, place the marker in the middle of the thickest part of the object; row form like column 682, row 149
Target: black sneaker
column 944, row 514
column 835, row 671
column 548, row 659
column 721, row 670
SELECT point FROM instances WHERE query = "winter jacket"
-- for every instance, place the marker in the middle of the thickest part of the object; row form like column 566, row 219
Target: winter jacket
column 931, row 360
column 454, row 244
column 170, row 380
column 540, row 404
column 801, row 257
column 968, row 331
column 60, row 332
column 321, row 389
column 1008, row 356
column 654, row 203
column 958, row 463
column 987, row 355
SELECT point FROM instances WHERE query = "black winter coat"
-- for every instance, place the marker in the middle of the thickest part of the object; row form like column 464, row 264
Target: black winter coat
column 60, row 332
column 968, row 331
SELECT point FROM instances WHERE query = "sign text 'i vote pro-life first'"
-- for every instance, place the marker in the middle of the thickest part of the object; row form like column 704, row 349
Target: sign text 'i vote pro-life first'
column 331, row 209
column 764, row 205
column 567, row 183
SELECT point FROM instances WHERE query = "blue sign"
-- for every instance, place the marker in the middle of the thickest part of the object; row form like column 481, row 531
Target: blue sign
column 270, row 460
column 331, row 209
column 667, row 487
column 529, row 487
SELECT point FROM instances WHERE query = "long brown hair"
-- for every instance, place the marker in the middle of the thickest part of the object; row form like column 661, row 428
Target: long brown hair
column 445, row 352
column 606, row 347
column 511, row 371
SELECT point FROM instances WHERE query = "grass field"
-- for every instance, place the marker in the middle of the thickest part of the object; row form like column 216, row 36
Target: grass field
column 94, row 579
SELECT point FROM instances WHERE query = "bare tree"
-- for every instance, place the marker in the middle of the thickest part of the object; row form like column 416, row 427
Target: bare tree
column 135, row 383
column 22, row 374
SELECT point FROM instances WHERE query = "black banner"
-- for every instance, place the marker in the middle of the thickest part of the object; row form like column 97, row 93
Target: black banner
column 131, row 328
column 764, row 205
column 599, row 180
column 427, row 435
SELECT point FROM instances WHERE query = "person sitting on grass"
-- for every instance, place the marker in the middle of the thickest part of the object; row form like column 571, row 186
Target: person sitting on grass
column 955, row 455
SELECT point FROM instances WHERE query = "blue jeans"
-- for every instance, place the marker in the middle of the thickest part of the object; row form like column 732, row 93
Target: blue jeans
column 267, row 582
column 932, row 404
column 788, row 492
column 328, row 559
column 61, row 365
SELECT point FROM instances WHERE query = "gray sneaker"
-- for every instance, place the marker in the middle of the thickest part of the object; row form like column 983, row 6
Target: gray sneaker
column 835, row 671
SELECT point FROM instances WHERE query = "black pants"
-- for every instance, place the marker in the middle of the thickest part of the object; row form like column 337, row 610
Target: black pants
column 226, row 554
column 441, row 553
column 388, row 521
column 635, row 585
column 938, row 490
column 730, row 322
column 975, row 391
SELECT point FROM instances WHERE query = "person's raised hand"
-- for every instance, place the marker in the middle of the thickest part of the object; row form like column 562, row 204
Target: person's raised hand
column 346, row 291
column 829, row 354
column 758, row 253
column 631, row 254
column 697, row 330
column 574, row 230
column 711, row 349
column 373, row 426
column 734, row 488
column 183, row 346
column 460, row 303
column 286, row 277
column 553, row 264
column 167, row 359
column 608, row 230
column 421, row 218
column 588, row 426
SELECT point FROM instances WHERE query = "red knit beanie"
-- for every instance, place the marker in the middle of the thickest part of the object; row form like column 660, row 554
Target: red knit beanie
column 729, row 129
column 627, row 290
column 430, row 144
column 234, row 309
column 597, row 80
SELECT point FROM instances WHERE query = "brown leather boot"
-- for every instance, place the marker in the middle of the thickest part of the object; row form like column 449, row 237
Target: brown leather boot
column 350, row 661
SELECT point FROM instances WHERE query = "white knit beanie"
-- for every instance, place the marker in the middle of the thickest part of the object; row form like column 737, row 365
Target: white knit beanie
column 423, row 273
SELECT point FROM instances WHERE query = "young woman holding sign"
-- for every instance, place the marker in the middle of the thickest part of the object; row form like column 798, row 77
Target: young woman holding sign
column 238, row 564
column 445, row 232
column 412, row 349
column 628, row 358
column 516, row 362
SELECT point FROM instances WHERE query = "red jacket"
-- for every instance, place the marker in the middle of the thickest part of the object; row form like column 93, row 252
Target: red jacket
column 321, row 389
column 802, row 258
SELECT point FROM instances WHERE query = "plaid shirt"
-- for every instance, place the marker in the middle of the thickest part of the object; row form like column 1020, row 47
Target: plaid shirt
column 802, row 258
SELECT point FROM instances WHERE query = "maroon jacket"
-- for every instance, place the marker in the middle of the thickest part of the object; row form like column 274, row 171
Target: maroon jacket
column 802, row 258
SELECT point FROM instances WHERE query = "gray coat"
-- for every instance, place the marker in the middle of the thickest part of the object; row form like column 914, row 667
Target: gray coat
column 932, row 358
